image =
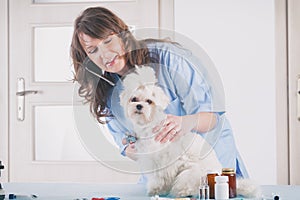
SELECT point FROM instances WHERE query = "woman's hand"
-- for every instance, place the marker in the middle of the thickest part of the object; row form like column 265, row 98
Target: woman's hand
column 173, row 127
column 130, row 150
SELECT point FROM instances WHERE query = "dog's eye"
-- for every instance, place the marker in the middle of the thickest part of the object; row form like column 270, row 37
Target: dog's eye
column 149, row 101
column 134, row 99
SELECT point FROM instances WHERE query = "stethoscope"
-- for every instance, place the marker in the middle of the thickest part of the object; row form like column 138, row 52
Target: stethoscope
column 91, row 67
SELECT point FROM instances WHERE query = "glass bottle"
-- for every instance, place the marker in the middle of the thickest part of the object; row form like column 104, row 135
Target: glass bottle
column 203, row 189
column 230, row 172
column 211, row 183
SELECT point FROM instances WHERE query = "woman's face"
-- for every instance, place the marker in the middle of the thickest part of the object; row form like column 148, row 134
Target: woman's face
column 107, row 53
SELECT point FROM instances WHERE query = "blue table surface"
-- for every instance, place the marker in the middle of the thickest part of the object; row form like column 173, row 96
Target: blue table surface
column 80, row 191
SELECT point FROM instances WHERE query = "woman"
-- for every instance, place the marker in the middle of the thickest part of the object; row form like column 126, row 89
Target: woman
column 103, row 47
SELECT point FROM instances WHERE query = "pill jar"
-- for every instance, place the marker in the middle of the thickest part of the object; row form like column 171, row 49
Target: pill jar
column 221, row 188
column 230, row 172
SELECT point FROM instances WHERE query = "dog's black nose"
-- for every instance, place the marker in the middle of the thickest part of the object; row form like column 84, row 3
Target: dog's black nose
column 139, row 107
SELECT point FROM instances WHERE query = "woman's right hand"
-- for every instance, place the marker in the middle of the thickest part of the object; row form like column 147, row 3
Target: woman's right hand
column 130, row 150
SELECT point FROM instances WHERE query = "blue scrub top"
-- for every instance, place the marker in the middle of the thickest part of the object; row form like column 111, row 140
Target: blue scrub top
column 192, row 87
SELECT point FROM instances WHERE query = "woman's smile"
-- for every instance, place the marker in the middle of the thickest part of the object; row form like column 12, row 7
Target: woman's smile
column 111, row 62
column 107, row 54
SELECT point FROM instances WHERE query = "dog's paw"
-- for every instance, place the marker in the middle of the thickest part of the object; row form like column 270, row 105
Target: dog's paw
column 153, row 192
column 156, row 191
column 155, row 188
column 186, row 184
column 184, row 190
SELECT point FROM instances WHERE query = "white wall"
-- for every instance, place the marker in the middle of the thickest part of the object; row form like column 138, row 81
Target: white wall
column 3, row 87
column 238, row 35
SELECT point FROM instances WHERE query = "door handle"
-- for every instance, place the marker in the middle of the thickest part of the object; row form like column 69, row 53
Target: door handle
column 21, row 92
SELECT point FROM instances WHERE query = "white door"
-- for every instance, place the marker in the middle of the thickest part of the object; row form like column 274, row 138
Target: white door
column 43, row 142
column 294, row 88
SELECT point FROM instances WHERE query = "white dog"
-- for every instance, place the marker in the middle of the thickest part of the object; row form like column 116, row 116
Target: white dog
column 172, row 168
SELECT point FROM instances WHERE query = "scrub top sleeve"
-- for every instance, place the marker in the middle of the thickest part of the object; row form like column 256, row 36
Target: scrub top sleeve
column 117, row 133
column 191, row 86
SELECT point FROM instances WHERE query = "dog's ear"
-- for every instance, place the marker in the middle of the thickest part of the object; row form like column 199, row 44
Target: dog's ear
column 130, row 82
column 161, row 99
column 124, row 98
column 146, row 74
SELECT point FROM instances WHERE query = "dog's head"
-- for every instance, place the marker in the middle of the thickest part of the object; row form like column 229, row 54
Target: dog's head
column 141, row 98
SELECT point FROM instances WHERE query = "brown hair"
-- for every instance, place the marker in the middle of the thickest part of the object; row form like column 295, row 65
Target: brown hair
column 99, row 22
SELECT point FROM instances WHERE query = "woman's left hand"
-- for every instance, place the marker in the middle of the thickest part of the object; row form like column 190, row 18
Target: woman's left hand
column 172, row 128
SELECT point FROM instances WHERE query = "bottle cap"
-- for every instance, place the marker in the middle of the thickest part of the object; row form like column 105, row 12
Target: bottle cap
column 212, row 172
column 228, row 170
column 221, row 179
column 203, row 180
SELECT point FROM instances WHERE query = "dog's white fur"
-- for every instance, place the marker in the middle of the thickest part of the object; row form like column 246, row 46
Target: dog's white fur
column 172, row 168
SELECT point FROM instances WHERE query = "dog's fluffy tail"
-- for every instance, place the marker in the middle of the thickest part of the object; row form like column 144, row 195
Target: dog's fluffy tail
column 248, row 188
